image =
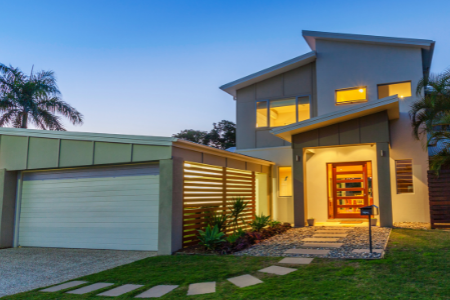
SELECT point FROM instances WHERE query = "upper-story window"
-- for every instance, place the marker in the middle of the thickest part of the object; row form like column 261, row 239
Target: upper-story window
column 281, row 112
column 351, row 95
column 402, row 89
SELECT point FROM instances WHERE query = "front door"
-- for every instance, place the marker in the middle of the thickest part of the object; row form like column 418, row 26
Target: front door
column 350, row 189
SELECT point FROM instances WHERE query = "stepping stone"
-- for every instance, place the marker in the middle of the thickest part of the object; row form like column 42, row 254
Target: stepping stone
column 329, row 235
column 338, row 228
column 322, row 245
column 157, row 291
column 307, row 251
column 277, row 270
column 202, row 288
column 367, row 250
column 64, row 286
column 320, row 239
column 120, row 290
column 296, row 260
column 330, row 232
column 90, row 288
column 244, row 280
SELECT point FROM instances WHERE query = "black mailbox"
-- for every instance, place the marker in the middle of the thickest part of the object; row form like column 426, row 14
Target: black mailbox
column 370, row 210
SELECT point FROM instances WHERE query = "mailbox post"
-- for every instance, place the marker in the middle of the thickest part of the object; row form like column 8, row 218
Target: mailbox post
column 369, row 211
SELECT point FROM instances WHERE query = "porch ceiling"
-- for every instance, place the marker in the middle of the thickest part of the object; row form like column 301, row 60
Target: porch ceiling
column 389, row 104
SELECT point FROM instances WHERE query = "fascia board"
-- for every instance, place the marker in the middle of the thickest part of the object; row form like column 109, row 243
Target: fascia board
column 311, row 36
column 88, row 136
column 390, row 104
column 286, row 66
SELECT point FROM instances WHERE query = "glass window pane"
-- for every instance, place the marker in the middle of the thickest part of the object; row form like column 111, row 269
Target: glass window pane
column 285, row 181
column 303, row 109
column 401, row 89
column 282, row 112
column 261, row 114
column 351, row 95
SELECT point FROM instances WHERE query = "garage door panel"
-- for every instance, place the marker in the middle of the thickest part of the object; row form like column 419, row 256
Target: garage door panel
column 98, row 208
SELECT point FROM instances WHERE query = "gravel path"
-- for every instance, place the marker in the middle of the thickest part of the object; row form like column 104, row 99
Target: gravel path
column 413, row 225
column 24, row 269
column 358, row 238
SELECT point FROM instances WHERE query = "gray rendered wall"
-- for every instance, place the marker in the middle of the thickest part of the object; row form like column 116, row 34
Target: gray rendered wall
column 8, row 186
column 297, row 82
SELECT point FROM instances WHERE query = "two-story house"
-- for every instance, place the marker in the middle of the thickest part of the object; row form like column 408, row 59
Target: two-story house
column 336, row 123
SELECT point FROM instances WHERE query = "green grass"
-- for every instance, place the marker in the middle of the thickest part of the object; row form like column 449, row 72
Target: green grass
column 417, row 266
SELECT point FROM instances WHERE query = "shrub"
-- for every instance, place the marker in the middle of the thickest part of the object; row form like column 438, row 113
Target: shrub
column 260, row 222
column 232, row 238
column 237, row 208
column 273, row 224
column 211, row 238
column 217, row 219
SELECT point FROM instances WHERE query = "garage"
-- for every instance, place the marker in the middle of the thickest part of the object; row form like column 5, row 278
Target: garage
column 112, row 207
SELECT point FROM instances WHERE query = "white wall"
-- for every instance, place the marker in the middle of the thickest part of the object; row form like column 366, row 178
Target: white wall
column 316, row 175
column 283, row 207
column 343, row 65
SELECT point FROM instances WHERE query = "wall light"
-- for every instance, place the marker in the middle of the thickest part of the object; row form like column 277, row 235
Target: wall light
column 361, row 90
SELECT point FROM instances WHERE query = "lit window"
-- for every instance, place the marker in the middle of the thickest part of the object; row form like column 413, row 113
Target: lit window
column 261, row 114
column 402, row 89
column 285, row 181
column 351, row 95
column 303, row 109
column 404, row 176
column 282, row 112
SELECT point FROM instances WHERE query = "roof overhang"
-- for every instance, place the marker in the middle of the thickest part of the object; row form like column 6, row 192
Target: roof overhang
column 389, row 104
column 427, row 46
column 291, row 64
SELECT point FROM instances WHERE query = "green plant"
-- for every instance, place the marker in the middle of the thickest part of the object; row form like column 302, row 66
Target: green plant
column 211, row 237
column 217, row 219
column 274, row 223
column 232, row 238
column 260, row 222
column 238, row 206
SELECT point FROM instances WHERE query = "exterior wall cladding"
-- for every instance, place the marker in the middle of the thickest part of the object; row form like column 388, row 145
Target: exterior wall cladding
column 341, row 65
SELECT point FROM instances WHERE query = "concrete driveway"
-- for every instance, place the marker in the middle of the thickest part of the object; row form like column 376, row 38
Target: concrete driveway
column 24, row 269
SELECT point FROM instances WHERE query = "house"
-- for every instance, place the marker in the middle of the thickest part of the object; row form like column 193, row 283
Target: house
column 111, row 191
column 335, row 121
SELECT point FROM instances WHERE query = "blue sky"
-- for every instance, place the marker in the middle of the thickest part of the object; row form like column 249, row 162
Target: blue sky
column 154, row 67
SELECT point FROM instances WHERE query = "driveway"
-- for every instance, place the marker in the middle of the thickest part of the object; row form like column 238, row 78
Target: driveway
column 24, row 269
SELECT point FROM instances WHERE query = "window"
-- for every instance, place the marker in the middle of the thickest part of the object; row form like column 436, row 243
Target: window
column 282, row 112
column 285, row 181
column 404, row 176
column 352, row 95
column 402, row 89
column 261, row 114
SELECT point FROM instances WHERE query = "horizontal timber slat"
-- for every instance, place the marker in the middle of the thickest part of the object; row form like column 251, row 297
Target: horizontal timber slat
column 439, row 198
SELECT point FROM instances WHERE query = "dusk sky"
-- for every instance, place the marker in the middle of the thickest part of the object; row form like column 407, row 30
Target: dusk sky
column 155, row 67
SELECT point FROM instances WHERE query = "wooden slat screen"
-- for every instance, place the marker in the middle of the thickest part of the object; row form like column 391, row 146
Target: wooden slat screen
column 211, row 189
column 404, row 176
column 439, row 195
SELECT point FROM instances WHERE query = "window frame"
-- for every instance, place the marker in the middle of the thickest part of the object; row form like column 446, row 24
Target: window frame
column 412, row 176
column 278, row 181
column 351, row 102
column 296, row 108
column 396, row 82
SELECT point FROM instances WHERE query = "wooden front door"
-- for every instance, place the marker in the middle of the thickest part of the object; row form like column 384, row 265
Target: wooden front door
column 350, row 189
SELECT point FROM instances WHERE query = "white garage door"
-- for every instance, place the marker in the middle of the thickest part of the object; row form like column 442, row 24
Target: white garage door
column 97, row 208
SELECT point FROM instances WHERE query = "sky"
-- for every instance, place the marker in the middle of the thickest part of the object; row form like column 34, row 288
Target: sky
column 150, row 67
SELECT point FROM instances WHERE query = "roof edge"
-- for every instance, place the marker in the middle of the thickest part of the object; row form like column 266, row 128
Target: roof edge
column 277, row 69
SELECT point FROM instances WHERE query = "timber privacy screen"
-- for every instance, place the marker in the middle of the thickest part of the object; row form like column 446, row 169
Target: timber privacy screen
column 439, row 193
column 211, row 189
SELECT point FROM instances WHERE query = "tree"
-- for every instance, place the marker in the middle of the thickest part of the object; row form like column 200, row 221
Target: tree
column 33, row 99
column 430, row 117
column 222, row 136
column 192, row 135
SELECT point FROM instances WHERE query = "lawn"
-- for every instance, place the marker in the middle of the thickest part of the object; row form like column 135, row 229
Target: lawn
column 416, row 266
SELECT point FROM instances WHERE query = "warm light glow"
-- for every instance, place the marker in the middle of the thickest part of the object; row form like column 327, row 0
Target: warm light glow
column 282, row 112
column 351, row 95
column 261, row 114
column 402, row 89
column 285, row 181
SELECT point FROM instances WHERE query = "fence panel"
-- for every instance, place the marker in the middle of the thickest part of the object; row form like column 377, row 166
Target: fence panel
column 211, row 189
column 439, row 197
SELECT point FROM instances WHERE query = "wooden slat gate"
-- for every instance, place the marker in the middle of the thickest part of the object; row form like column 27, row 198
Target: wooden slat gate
column 211, row 189
column 439, row 194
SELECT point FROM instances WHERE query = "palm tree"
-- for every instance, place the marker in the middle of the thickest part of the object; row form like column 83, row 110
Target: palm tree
column 430, row 117
column 33, row 99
